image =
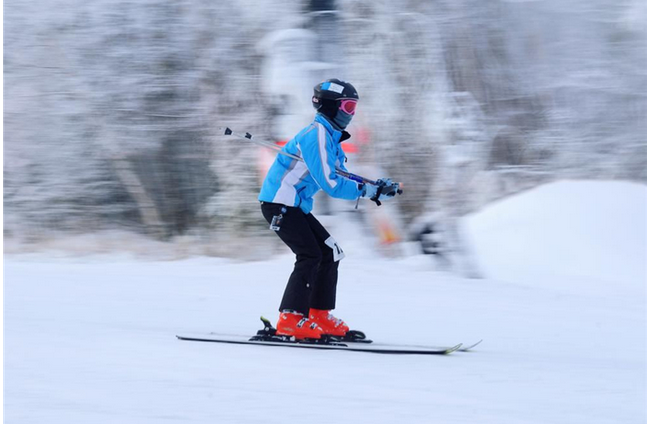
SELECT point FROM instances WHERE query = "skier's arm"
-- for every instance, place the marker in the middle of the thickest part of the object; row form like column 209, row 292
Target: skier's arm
column 320, row 159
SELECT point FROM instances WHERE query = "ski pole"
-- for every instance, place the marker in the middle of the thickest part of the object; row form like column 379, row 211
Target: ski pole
column 340, row 172
column 345, row 174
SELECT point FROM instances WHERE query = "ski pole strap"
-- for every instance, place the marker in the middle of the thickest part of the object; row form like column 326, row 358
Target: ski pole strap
column 378, row 193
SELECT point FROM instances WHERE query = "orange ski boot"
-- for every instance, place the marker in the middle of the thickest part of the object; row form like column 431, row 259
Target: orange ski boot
column 292, row 323
column 329, row 324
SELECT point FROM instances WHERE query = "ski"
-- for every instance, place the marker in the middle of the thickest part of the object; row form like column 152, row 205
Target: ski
column 463, row 348
column 325, row 344
column 354, row 336
column 354, row 341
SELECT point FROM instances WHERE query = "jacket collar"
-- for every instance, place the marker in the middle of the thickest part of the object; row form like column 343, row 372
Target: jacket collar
column 338, row 136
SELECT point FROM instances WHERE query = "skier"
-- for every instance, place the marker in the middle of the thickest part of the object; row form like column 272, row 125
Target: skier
column 286, row 203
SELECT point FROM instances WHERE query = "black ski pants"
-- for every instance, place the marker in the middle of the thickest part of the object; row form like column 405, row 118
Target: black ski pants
column 313, row 282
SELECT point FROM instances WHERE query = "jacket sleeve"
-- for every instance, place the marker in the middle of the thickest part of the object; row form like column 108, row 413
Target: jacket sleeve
column 319, row 156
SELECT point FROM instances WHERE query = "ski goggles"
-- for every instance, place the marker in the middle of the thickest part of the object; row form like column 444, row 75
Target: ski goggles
column 348, row 106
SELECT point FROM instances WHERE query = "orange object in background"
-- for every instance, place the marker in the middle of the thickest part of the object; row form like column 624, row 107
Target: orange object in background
column 387, row 233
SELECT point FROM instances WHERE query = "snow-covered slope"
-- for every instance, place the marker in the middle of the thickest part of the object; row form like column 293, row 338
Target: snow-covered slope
column 570, row 228
column 92, row 340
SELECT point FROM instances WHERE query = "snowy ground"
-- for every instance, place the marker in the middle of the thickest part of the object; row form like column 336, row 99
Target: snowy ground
column 91, row 340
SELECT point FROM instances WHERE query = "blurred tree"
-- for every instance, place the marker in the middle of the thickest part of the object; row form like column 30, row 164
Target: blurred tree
column 113, row 108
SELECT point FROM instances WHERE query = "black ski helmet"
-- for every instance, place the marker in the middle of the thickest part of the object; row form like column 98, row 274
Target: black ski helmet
column 328, row 94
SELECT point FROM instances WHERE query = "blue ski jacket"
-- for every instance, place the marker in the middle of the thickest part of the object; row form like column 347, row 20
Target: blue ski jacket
column 294, row 183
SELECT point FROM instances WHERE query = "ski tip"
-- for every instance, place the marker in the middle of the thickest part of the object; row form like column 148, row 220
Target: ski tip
column 453, row 349
column 469, row 347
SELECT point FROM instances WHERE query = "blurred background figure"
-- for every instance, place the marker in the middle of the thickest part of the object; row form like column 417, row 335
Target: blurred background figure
column 114, row 109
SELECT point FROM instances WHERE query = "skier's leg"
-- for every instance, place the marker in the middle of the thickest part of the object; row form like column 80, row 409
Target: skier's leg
column 296, row 233
column 322, row 299
column 325, row 286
